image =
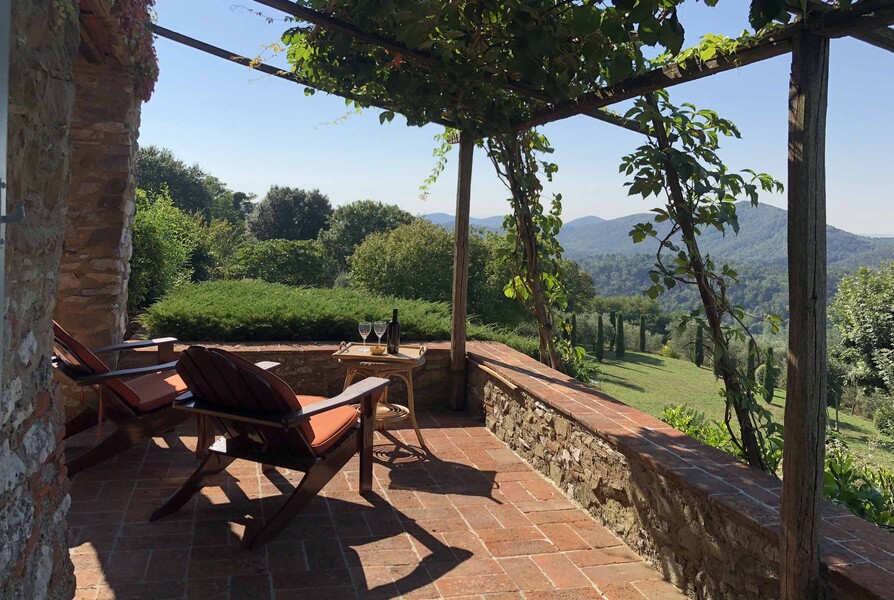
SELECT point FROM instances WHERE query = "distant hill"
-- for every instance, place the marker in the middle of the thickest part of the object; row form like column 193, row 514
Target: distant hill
column 761, row 240
column 445, row 220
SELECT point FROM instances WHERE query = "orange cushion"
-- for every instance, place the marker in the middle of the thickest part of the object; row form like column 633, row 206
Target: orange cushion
column 156, row 390
column 326, row 428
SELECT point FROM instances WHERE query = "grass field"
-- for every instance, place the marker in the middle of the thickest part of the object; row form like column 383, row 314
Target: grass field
column 650, row 383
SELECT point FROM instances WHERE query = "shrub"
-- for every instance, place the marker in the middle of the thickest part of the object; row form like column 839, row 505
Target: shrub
column 884, row 417
column 284, row 261
column 867, row 492
column 668, row 352
column 249, row 310
column 164, row 239
column 694, row 423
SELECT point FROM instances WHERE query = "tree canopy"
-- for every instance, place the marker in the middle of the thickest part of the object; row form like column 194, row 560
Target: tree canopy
column 288, row 213
column 190, row 188
column 863, row 311
column 350, row 224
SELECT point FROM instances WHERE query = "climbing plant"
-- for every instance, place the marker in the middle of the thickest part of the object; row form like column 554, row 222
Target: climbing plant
column 135, row 17
column 679, row 163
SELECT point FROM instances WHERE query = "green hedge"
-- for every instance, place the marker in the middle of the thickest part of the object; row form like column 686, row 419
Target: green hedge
column 256, row 311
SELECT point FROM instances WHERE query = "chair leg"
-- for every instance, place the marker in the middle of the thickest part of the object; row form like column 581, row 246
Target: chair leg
column 82, row 421
column 212, row 464
column 313, row 481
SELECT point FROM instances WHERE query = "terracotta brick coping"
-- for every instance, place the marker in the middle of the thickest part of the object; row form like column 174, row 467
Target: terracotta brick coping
column 855, row 553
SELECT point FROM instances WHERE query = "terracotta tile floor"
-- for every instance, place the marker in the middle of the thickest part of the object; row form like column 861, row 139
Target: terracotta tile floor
column 469, row 520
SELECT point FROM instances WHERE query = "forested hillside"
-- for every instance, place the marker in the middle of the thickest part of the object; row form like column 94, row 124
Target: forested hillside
column 761, row 239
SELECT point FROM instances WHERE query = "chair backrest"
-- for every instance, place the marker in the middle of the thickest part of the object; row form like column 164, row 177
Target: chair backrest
column 222, row 380
column 75, row 360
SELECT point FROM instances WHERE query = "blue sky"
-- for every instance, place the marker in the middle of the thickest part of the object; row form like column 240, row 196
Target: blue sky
column 253, row 131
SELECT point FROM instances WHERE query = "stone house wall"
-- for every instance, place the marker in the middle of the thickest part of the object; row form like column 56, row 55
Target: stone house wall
column 92, row 297
column 34, row 561
column 706, row 521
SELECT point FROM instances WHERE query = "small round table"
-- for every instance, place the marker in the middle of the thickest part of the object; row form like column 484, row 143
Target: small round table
column 361, row 362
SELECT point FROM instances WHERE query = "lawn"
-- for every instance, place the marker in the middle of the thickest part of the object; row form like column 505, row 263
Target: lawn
column 650, row 383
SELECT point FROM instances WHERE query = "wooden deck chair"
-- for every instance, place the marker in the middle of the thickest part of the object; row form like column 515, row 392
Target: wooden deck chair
column 139, row 400
column 264, row 421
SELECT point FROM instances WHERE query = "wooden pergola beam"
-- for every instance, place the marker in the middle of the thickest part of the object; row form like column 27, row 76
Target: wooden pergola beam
column 430, row 60
column 238, row 59
column 868, row 15
column 880, row 38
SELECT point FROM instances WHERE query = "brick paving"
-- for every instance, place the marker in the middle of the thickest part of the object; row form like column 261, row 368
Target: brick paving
column 468, row 520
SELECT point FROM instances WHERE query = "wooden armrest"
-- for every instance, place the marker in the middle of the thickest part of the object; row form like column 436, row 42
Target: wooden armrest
column 352, row 395
column 133, row 345
column 100, row 377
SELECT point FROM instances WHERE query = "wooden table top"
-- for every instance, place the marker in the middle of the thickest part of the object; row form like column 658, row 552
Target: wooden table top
column 408, row 355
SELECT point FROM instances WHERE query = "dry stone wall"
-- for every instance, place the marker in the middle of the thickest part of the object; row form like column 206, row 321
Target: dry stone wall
column 34, row 561
column 708, row 522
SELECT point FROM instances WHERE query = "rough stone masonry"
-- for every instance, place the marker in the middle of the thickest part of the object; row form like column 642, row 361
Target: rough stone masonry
column 34, row 561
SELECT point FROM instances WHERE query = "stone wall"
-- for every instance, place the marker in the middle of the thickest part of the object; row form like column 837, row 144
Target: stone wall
column 92, row 298
column 34, row 499
column 310, row 369
column 708, row 522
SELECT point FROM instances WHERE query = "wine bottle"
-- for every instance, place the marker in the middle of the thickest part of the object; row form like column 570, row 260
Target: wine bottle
column 393, row 335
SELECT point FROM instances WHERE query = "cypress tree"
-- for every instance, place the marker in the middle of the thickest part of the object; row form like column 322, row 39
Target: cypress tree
column 699, row 358
column 574, row 329
column 611, row 340
column 752, row 360
column 619, row 342
column 769, row 377
column 642, row 333
column 600, row 340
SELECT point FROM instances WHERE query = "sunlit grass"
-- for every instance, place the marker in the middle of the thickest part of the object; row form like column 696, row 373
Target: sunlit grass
column 650, row 382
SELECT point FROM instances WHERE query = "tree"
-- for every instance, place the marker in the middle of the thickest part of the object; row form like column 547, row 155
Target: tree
column 620, row 345
column 290, row 214
column 612, row 318
column 189, row 188
column 164, row 238
column 415, row 261
column 600, row 339
column 350, row 224
column 642, row 333
column 770, row 376
column 863, row 316
column 751, row 369
column 699, row 357
column 574, row 329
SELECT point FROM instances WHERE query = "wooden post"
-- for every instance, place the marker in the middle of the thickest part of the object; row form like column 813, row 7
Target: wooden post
column 461, row 274
column 805, row 405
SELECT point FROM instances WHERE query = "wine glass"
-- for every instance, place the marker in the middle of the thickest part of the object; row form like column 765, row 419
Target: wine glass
column 364, row 328
column 379, row 327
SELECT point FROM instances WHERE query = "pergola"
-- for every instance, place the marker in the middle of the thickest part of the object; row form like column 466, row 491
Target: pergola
column 807, row 40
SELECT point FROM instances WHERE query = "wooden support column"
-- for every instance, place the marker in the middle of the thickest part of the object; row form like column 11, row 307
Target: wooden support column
column 461, row 274
column 805, row 405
